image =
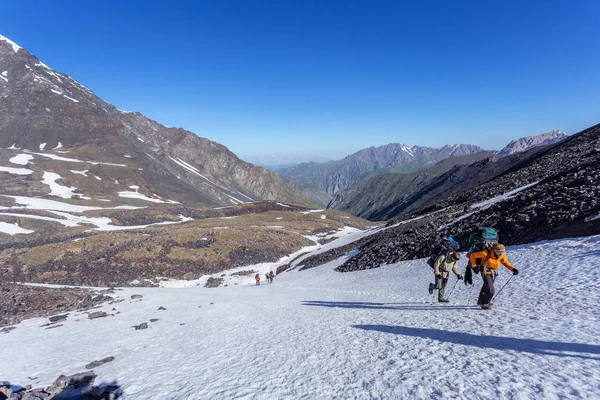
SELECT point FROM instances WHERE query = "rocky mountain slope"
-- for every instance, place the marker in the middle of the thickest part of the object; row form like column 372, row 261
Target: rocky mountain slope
column 317, row 195
column 334, row 176
column 528, row 142
column 388, row 195
column 61, row 126
column 552, row 194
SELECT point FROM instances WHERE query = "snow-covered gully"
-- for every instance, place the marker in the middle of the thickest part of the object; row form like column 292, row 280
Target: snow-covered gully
column 320, row 334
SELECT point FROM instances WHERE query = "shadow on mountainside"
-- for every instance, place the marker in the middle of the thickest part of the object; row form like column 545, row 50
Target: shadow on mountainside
column 560, row 349
column 411, row 306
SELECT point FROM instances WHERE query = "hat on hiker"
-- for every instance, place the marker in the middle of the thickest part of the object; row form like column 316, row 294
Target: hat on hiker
column 499, row 248
column 455, row 256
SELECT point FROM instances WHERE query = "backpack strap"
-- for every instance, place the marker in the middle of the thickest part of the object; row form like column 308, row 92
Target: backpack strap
column 485, row 260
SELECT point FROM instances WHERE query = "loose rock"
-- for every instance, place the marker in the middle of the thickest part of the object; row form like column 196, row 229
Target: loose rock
column 58, row 318
column 98, row 363
column 141, row 326
column 97, row 314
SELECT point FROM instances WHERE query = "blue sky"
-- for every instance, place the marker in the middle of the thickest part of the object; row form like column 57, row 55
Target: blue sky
column 329, row 78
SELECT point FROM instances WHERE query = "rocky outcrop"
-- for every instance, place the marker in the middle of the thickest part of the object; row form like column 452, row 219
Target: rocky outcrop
column 213, row 282
column 78, row 386
column 20, row 302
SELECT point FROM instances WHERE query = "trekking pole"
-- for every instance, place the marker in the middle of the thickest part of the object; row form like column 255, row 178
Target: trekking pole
column 503, row 287
column 452, row 290
column 471, row 286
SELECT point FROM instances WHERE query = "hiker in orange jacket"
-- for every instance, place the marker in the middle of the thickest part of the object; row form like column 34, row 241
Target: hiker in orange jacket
column 487, row 262
column 257, row 278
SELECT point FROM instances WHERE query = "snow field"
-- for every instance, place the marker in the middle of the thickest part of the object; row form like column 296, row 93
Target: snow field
column 322, row 334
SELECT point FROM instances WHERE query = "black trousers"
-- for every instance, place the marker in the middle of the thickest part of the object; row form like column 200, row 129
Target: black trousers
column 487, row 290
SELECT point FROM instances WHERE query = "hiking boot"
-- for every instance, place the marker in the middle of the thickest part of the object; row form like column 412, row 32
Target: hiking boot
column 431, row 287
column 486, row 306
column 442, row 300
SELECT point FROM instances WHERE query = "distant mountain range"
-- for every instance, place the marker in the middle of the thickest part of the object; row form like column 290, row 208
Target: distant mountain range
column 334, row 176
column 389, row 196
column 323, row 182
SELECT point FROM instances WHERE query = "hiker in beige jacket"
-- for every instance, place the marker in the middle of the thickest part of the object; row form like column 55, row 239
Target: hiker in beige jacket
column 442, row 267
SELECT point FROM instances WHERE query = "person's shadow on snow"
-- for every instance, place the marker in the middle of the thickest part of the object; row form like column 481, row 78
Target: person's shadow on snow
column 560, row 349
column 409, row 306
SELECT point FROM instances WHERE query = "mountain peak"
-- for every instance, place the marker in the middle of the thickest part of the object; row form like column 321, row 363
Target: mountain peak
column 15, row 46
column 528, row 142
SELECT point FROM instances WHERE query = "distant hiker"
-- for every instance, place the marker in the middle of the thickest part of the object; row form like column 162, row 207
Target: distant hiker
column 441, row 268
column 487, row 262
column 257, row 278
column 271, row 276
column 267, row 277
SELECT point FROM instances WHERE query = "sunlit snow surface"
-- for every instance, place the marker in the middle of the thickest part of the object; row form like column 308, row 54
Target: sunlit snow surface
column 319, row 334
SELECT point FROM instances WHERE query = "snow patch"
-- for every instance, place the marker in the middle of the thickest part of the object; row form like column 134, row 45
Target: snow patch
column 70, row 98
column 42, row 146
column 407, row 150
column 15, row 46
column 60, row 158
column 139, row 196
column 13, row 229
column 84, row 172
column 487, row 203
column 58, row 146
column 16, row 171
column 21, row 159
column 484, row 205
column 55, row 91
column 311, row 211
column 56, row 189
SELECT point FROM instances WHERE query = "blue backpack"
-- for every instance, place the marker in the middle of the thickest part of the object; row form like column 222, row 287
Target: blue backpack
column 447, row 244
